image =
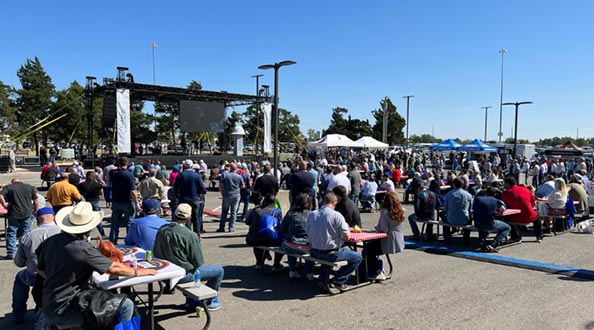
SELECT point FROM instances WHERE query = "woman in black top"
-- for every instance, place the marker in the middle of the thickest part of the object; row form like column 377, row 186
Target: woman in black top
column 91, row 189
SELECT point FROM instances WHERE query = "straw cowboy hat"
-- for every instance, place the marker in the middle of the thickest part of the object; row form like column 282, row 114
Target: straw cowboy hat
column 78, row 219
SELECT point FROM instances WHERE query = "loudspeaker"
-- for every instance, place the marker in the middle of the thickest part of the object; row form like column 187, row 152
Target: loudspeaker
column 109, row 109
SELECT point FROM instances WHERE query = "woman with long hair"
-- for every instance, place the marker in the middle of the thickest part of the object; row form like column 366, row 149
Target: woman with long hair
column 553, row 204
column 390, row 222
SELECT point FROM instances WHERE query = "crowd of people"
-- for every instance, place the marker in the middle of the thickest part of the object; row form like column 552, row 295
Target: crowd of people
column 326, row 197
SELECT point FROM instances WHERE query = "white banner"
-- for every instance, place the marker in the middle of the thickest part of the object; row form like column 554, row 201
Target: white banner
column 123, row 120
column 267, row 110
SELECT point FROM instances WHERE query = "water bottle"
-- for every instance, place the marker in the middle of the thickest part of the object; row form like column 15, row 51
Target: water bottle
column 133, row 262
column 197, row 278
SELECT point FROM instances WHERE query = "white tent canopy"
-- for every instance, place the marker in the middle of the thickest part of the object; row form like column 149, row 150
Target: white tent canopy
column 333, row 140
column 369, row 142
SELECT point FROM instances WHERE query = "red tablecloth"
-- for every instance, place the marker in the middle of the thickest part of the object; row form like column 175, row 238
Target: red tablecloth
column 360, row 237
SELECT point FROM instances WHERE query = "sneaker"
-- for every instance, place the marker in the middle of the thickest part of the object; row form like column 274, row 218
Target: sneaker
column 294, row 275
column 310, row 276
column 214, row 304
column 277, row 268
column 220, row 230
column 231, row 230
column 514, row 240
column 342, row 287
column 539, row 240
column 379, row 277
column 490, row 249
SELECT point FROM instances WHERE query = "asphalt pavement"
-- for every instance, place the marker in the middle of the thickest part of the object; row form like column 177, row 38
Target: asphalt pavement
column 433, row 286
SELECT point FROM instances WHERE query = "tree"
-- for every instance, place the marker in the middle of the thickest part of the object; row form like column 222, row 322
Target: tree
column 312, row 135
column 140, row 123
column 68, row 102
column 289, row 127
column 338, row 125
column 7, row 108
column 224, row 138
column 395, row 124
column 357, row 128
column 253, row 125
column 424, row 138
column 34, row 98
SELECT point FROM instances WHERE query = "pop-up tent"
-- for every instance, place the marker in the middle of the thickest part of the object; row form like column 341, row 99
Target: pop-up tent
column 477, row 145
column 333, row 140
column 448, row 144
column 369, row 142
column 568, row 149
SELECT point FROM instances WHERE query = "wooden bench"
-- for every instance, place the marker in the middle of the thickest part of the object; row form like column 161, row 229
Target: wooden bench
column 444, row 224
column 330, row 266
column 201, row 293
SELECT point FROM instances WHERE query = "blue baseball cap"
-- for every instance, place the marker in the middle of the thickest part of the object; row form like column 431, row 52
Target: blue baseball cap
column 44, row 211
column 150, row 205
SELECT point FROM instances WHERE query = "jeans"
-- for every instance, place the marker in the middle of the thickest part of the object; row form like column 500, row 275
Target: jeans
column 502, row 231
column 196, row 222
column 415, row 229
column 293, row 261
column 245, row 199
column 229, row 203
column 355, row 199
column 17, row 228
column 20, row 293
column 212, row 274
column 120, row 213
column 343, row 254
column 97, row 207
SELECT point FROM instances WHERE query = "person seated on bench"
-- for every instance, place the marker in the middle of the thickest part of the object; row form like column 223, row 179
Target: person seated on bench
column 325, row 230
column 368, row 193
column 346, row 207
column 578, row 193
column 413, row 188
column 456, row 208
column 390, row 222
column 485, row 207
column 178, row 244
column 554, row 202
column 295, row 236
column 264, row 205
column 518, row 197
column 426, row 202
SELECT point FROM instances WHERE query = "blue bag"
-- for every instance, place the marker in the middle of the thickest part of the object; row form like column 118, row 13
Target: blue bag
column 132, row 324
column 269, row 226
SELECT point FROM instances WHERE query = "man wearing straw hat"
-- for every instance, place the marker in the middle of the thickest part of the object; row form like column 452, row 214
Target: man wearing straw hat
column 67, row 261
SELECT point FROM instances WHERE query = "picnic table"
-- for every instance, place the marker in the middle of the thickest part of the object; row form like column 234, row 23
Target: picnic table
column 365, row 237
column 166, row 271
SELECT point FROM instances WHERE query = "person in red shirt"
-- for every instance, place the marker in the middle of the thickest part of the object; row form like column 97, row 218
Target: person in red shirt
column 521, row 198
column 396, row 175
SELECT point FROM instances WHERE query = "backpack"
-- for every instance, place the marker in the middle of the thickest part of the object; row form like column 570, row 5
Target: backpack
column 270, row 226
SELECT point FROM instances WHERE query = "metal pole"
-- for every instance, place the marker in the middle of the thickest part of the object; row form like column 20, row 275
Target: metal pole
column 384, row 105
column 275, row 111
column 516, row 131
column 257, row 110
column 500, row 134
column 407, row 113
column 153, row 46
column 486, row 108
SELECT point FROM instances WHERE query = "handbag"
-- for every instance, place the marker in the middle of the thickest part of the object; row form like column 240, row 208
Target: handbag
column 269, row 226
column 109, row 250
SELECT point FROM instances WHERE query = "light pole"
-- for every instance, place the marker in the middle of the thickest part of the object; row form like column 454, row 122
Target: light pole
column 407, row 97
column 384, row 104
column 486, row 108
column 275, row 114
column 257, row 76
column 153, row 46
column 517, row 104
column 502, row 52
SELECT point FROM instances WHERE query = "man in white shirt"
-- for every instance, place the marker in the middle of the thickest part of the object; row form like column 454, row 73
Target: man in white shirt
column 340, row 179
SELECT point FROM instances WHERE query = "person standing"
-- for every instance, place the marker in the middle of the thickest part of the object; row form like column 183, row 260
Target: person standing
column 355, row 178
column 152, row 188
column 21, row 201
column 189, row 188
column 230, row 188
column 266, row 184
column 245, row 191
column 124, row 198
column 91, row 190
column 326, row 230
column 301, row 183
column 62, row 193
column 26, row 257
column 12, row 160
column 176, row 243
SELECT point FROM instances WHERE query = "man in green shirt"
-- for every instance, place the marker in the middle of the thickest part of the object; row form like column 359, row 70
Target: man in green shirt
column 181, row 246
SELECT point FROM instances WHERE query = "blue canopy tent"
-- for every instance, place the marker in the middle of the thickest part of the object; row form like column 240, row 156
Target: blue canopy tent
column 448, row 144
column 477, row 145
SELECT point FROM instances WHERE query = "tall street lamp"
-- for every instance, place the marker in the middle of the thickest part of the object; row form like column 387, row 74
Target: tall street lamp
column 275, row 114
column 153, row 46
column 502, row 52
column 517, row 104
column 486, row 108
column 257, row 76
column 407, row 97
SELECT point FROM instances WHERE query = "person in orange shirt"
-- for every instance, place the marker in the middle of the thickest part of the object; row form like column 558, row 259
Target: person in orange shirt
column 62, row 193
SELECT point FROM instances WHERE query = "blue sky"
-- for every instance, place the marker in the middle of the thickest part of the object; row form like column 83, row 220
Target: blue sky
column 349, row 54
